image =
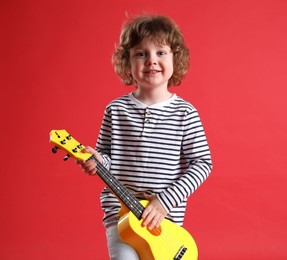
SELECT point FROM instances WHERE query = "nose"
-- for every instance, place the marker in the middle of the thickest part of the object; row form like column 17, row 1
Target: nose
column 151, row 59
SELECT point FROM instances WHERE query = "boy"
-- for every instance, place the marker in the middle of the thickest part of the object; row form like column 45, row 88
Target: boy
column 151, row 140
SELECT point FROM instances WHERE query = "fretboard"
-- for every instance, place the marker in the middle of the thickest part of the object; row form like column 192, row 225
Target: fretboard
column 124, row 194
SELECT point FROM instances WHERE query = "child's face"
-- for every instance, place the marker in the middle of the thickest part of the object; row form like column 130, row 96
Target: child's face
column 151, row 64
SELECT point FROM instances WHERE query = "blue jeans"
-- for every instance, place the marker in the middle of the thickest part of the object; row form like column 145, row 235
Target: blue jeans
column 118, row 250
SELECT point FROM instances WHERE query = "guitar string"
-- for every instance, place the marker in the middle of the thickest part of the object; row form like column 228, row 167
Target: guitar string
column 162, row 234
column 136, row 205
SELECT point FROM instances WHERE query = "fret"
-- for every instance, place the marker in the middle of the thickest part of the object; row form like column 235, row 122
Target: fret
column 125, row 196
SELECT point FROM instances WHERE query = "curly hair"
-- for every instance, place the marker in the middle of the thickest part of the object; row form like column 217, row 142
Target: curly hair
column 160, row 30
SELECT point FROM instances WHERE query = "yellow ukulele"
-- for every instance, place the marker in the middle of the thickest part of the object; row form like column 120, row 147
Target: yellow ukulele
column 168, row 242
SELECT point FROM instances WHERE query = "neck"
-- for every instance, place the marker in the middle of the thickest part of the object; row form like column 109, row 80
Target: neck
column 152, row 97
column 122, row 193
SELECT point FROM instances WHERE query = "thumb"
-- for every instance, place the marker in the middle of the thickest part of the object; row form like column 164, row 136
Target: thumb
column 89, row 149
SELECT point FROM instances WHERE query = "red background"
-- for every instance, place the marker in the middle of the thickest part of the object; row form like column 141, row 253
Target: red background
column 56, row 73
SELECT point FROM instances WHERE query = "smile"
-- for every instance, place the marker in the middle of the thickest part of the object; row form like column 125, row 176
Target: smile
column 152, row 71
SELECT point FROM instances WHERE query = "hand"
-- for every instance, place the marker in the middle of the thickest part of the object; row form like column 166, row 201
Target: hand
column 90, row 166
column 154, row 212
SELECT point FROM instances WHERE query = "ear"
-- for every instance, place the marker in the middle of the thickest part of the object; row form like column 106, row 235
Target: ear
column 128, row 78
column 129, row 72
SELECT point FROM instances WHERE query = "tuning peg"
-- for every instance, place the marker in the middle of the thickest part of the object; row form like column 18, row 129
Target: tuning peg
column 66, row 157
column 54, row 149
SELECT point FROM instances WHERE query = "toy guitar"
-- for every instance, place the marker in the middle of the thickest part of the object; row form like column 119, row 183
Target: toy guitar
column 168, row 242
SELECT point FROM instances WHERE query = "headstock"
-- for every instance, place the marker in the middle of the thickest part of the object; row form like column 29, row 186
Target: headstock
column 64, row 141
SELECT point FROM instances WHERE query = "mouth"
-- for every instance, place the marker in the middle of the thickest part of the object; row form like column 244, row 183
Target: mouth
column 152, row 72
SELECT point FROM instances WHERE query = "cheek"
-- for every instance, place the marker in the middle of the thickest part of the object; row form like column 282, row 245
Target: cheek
column 135, row 67
column 170, row 68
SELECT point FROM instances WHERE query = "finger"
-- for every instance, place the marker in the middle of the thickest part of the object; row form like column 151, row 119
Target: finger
column 147, row 215
column 88, row 149
column 158, row 221
column 79, row 161
column 92, row 172
column 153, row 220
column 147, row 211
column 91, row 150
column 88, row 167
column 154, row 223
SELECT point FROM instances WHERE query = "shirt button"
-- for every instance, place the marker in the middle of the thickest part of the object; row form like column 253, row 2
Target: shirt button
column 147, row 112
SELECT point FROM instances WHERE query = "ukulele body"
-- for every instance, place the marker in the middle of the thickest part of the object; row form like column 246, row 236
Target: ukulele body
column 169, row 241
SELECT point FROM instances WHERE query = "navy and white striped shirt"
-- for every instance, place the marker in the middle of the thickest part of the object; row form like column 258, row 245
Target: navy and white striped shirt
column 159, row 149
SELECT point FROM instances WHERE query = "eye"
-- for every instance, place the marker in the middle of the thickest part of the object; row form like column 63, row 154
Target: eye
column 141, row 54
column 161, row 53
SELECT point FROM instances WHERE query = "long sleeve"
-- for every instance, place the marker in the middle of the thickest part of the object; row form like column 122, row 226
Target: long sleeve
column 103, row 145
column 196, row 154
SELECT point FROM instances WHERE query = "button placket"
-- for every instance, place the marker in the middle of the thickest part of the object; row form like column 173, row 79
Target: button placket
column 147, row 116
column 147, row 124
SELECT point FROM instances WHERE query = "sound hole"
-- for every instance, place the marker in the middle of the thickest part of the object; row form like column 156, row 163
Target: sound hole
column 155, row 231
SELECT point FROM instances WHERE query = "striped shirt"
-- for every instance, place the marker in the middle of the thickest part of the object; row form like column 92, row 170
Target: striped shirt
column 159, row 149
